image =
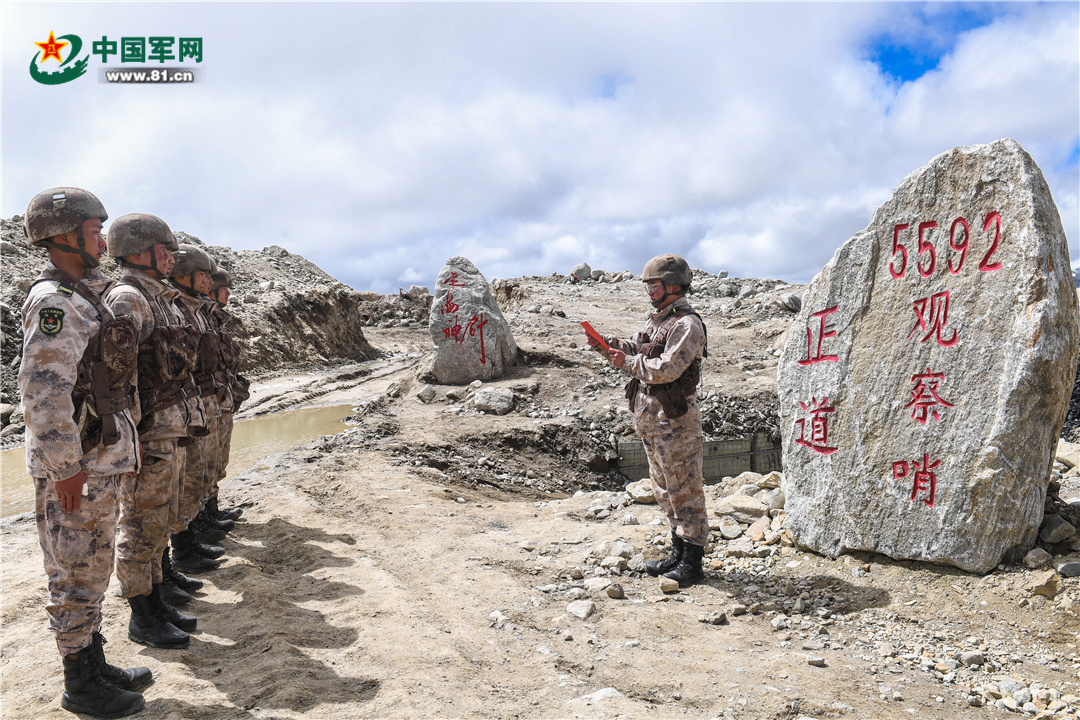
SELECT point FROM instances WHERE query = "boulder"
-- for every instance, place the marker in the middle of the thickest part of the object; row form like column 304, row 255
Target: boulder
column 1068, row 453
column 494, row 400
column 581, row 271
column 1055, row 529
column 641, row 492
column 925, row 381
column 741, row 508
column 472, row 339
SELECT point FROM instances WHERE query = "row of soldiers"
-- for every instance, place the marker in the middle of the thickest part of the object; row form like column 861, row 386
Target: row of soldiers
column 129, row 389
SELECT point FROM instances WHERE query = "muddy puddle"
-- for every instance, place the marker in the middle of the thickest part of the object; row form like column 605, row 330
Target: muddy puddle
column 252, row 439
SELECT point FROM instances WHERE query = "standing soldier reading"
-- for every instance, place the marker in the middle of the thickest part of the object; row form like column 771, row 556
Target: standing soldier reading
column 76, row 381
column 150, row 500
column 663, row 361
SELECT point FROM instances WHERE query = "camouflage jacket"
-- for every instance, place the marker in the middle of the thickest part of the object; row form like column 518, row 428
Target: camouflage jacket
column 685, row 343
column 194, row 309
column 123, row 299
column 220, row 318
column 57, row 327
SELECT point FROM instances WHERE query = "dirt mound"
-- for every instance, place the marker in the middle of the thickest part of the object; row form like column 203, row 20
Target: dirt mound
column 289, row 313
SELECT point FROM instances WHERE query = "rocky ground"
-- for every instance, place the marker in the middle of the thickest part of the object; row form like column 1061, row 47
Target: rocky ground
column 437, row 559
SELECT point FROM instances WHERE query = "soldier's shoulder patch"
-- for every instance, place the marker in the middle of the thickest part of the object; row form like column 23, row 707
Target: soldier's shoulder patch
column 50, row 320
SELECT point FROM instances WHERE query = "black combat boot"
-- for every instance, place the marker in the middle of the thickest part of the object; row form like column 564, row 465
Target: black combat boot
column 186, row 557
column 87, row 691
column 659, row 567
column 215, row 511
column 168, row 613
column 146, row 627
column 688, row 572
column 173, row 594
column 188, row 585
column 123, row 678
column 206, row 530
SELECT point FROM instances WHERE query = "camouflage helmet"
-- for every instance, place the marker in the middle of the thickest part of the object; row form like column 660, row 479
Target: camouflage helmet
column 133, row 233
column 670, row 269
column 60, row 210
column 221, row 279
column 189, row 259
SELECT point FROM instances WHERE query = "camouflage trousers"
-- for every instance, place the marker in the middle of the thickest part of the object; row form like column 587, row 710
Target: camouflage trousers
column 223, row 450
column 78, row 550
column 149, row 506
column 200, row 473
column 675, row 472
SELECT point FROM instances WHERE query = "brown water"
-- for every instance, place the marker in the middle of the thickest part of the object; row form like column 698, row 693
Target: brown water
column 251, row 440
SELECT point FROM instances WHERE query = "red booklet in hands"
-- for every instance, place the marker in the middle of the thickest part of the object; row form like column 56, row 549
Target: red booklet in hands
column 594, row 335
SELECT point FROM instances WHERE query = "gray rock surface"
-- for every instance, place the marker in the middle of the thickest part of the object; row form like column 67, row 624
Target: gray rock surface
column 494, row 400
column 923, row 387
column 472, row 338
column 582, row 271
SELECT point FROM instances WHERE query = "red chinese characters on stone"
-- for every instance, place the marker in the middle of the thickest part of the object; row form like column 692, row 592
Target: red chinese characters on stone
column 819, row 426
column 453, row 281
column 819, row 356
column 449, row 306
column 924, row 396
column 475, row 324
column 458, row 333
column 924, row 479
column 932, row 315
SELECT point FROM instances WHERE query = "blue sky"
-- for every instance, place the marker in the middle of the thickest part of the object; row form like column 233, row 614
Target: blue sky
column 380, row 139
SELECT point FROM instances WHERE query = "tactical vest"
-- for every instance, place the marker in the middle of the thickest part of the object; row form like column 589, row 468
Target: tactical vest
column 103, row 384
column 230, row 360
column 166, row 361
column 672, row 395
column 208, row 355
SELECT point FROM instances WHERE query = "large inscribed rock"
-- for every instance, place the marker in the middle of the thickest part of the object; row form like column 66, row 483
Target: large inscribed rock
column 472, row 338
column 926, row 378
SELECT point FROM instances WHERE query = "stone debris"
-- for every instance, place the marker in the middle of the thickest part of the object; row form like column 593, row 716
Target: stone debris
column 1037, row 558
column 641, row 492
column 667, row 585
column 1047, row 584
column 1055, row 529
column 582, row 609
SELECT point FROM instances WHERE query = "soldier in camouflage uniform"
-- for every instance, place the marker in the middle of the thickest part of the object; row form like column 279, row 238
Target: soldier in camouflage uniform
column 236, row 386
column 150, row 501
column 191, row 276
column 76, row 380
column 663, row 361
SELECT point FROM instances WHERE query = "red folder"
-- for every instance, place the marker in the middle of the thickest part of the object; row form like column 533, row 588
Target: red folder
column 594, row 335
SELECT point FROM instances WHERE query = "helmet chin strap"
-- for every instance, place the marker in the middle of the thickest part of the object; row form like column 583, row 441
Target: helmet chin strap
column 188, row 289
column 152, row 267
column 657, row 303
column 89, row 260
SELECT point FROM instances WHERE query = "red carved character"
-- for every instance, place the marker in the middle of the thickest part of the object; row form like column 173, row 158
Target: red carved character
column 477, row 323
column 454, row 331
column 924, row 480
column 449, row 306
column 822, row 334
column 932, row 315
column 453, row 280
column 819, row 426
column 924, row 396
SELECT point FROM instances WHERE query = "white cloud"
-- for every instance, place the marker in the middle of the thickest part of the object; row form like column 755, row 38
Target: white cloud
column 378, row 140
